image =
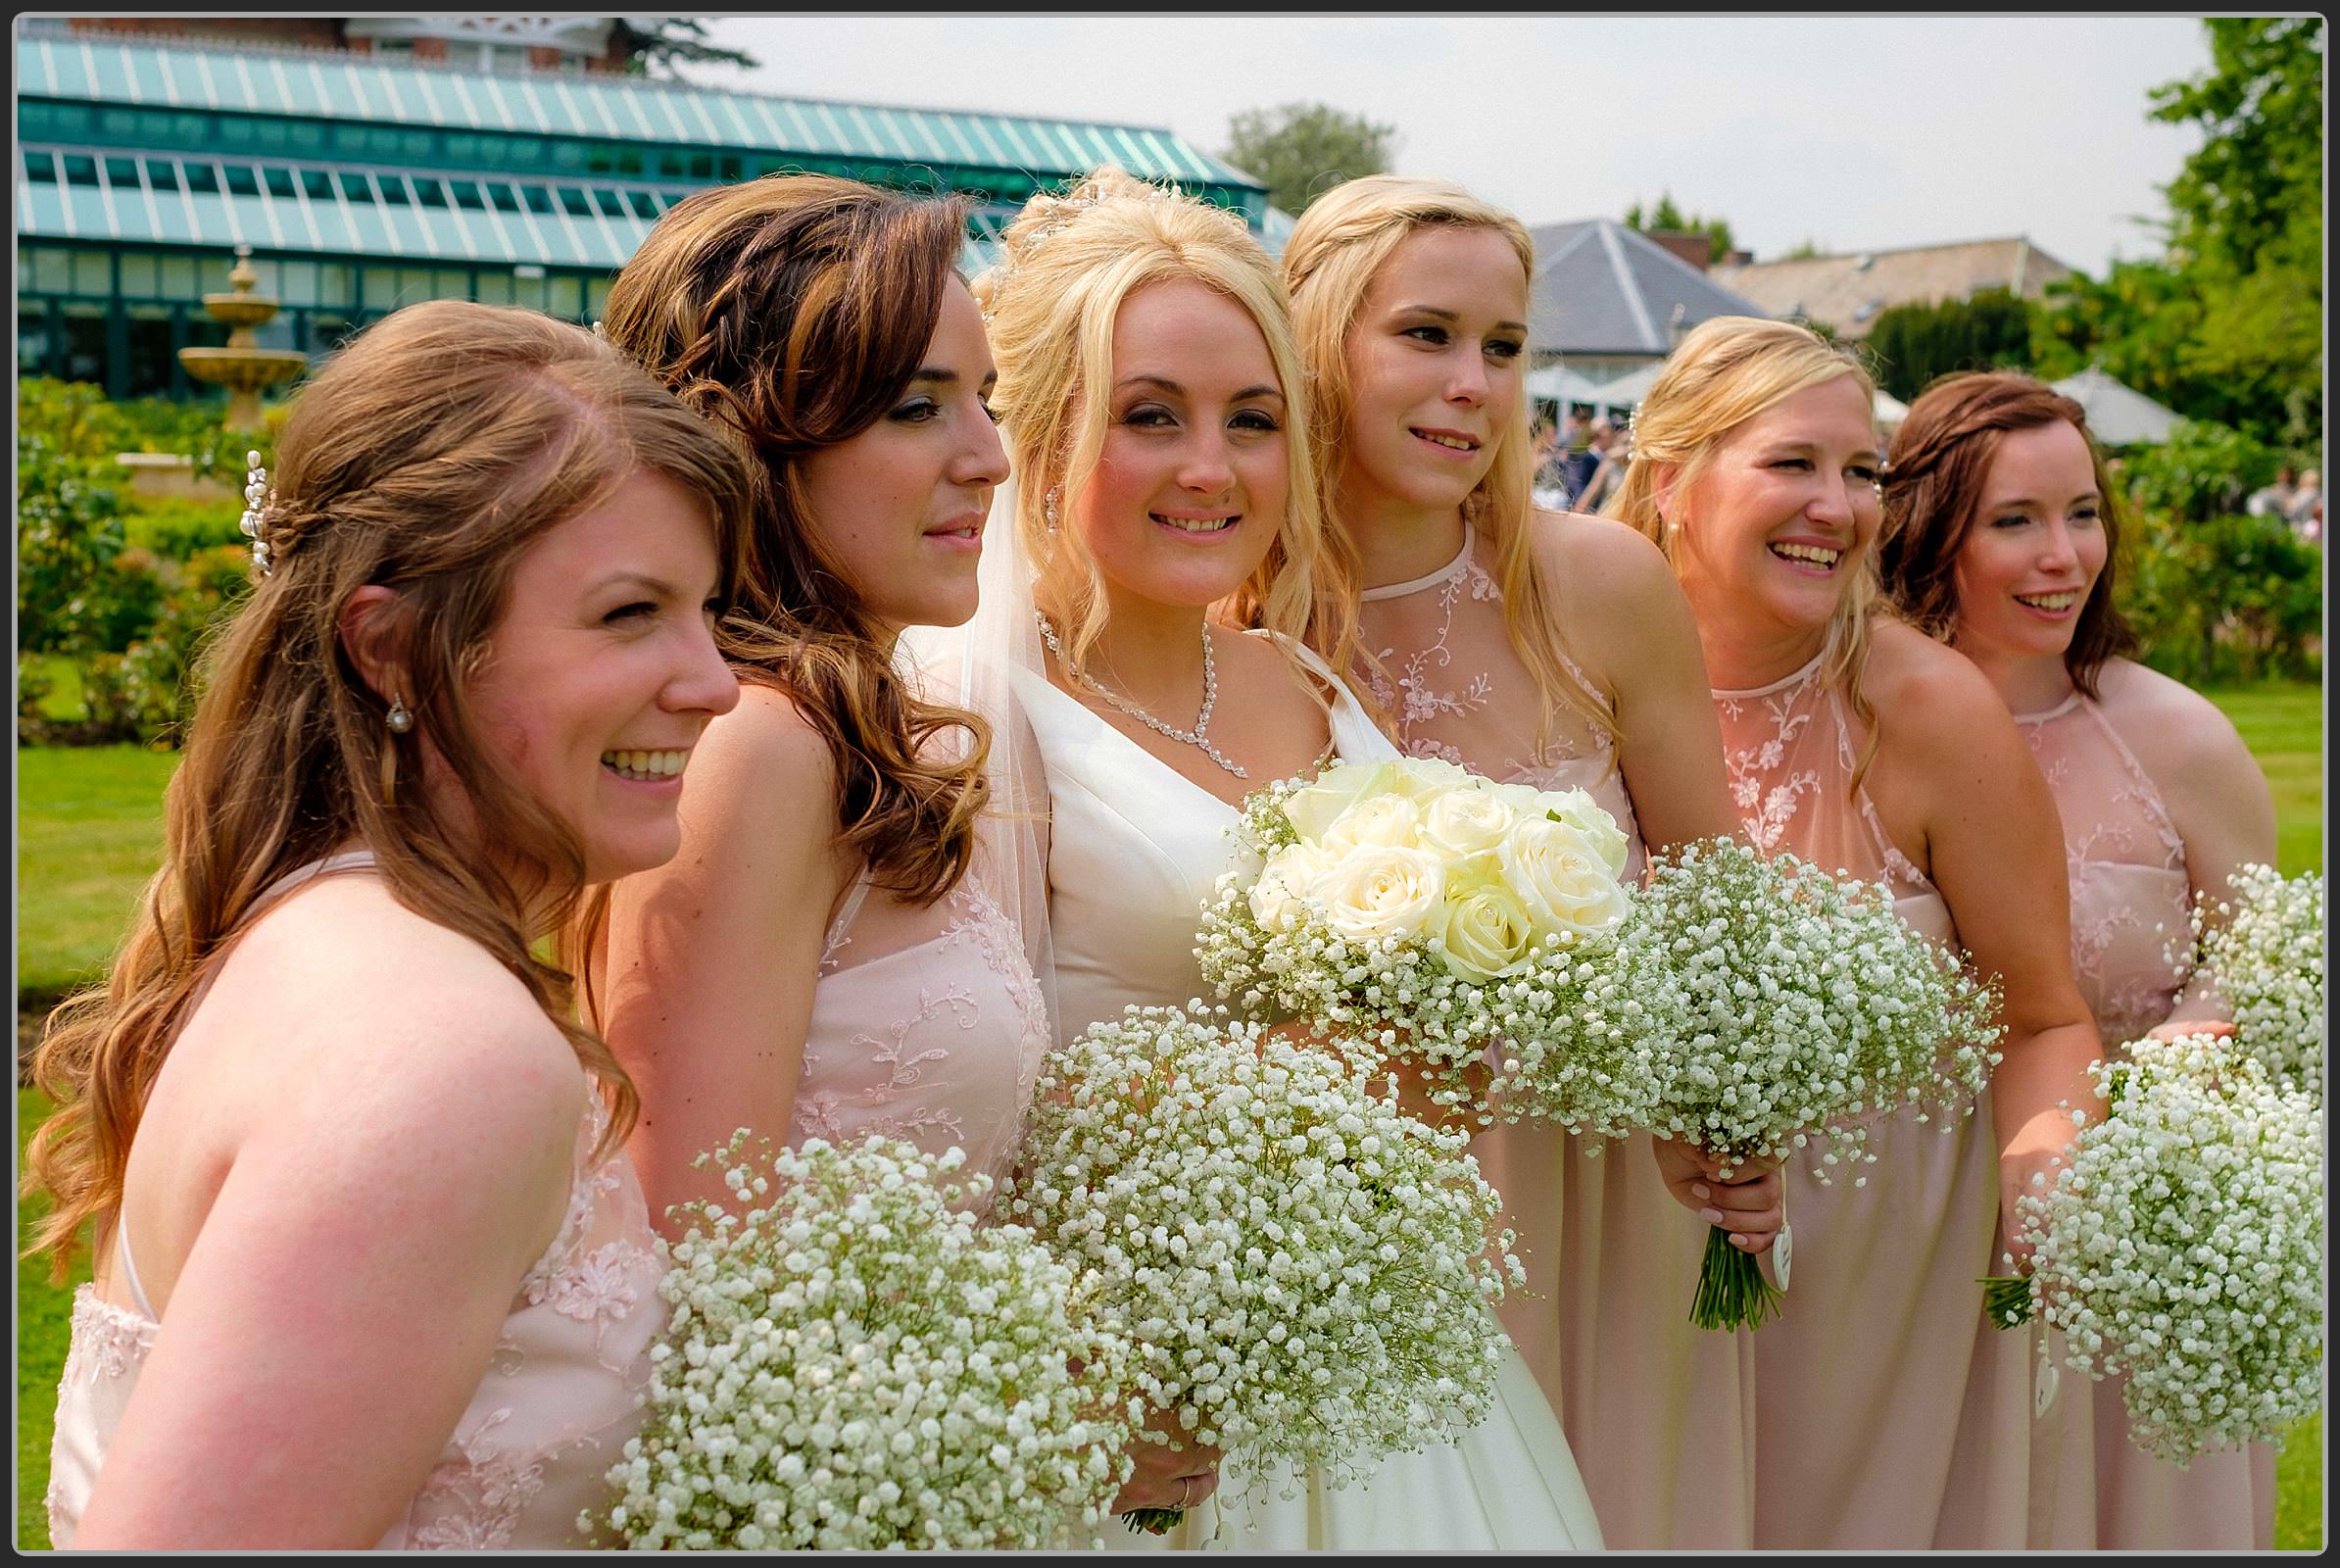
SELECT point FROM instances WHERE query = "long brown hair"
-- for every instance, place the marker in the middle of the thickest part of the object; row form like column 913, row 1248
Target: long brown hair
column 427, row 457
column 1934, row 478
column 1330, row 262
column 792, row 311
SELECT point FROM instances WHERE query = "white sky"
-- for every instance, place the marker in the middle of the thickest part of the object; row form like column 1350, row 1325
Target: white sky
column 1856, row 132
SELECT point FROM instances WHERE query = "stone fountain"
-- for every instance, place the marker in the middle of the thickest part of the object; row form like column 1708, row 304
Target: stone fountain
column 240, row 367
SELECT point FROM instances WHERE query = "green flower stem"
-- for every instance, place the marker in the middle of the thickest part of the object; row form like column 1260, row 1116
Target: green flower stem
column 1153, row 1521
column 2006, row 1300
column 1732, row 1289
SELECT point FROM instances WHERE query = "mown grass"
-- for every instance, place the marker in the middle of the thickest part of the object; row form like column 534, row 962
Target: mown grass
column 89, row 825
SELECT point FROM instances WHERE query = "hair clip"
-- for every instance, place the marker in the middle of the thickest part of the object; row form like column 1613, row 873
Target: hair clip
column 257, row 505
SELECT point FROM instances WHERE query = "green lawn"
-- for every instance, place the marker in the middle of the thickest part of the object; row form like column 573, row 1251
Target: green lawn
column 89, row 833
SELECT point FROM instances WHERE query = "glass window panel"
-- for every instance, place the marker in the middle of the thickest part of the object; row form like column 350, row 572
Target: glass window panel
column 503, row 197
column 703, row 166
column 235, row 130
column 518, row 152
column 430, row 192
column 242, row 180
column 334, row 230
column 356, row 187
column 40, row 167
column 597, row 296
column 565, row 154
column 48, row 208
column 138, row 273
column 350, row 139
column 318, row 184
column 304, row 136
column 538, row 198
column 214, row 223
column 574, row 202
column 451, row 283
column 271, row 134
column 563, row 297
column 52, row 271
column 394, row 190
column 279, row 181
column 122, row 172
column 334, row 283
column 266, row 281
column 202, row 178
column 298, row 282
column 178, row 277
column 495, row 288
column 528, row 291
column 413, row 284
column 298, row 80
column 58, row 64
column 372, row 228
column 80, row 169
column 610, row 202
column 146, row 72
column 643, row 205
column 466, row 195
column 415, row 146
column 118, row 123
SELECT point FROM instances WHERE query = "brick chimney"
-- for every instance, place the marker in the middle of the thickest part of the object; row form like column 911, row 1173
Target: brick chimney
column 1697, row 249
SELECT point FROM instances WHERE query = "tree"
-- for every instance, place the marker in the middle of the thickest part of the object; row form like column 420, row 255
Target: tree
column 1912, row 344
column 2228, row 325
column 1667, row 218
column 656, row 45
column 1300, row 151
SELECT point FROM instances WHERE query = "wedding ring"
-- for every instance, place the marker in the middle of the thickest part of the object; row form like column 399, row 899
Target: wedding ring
column 1185, row 1485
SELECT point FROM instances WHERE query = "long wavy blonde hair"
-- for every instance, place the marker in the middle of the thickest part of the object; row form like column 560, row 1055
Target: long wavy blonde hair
column 1722, row 373
column 1330, row 262
column 1068, row 261
column 425, row 456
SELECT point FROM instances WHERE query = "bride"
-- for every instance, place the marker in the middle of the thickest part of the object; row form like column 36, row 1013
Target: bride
column 1149, row 386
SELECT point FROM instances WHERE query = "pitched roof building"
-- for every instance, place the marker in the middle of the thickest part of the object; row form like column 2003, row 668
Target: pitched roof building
column 1609, row 299
column 1846, row 293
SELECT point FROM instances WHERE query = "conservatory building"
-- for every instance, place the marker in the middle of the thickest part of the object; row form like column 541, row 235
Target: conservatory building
column 363, row 181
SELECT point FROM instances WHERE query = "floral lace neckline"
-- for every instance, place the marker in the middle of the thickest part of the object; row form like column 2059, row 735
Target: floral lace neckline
column 1783, row 683
column 1452, row 571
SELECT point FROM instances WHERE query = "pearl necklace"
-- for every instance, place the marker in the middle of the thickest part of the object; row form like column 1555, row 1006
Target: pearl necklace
column 1197, row 737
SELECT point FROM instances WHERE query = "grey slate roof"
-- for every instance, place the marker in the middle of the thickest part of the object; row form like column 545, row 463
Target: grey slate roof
column 1603, row 288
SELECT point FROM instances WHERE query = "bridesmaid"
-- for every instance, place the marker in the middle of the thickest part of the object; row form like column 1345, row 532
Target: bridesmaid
column 1889, row 1414
column 1554, row 650
column 2001, row 530
column 833, row 953
column 371, row 1270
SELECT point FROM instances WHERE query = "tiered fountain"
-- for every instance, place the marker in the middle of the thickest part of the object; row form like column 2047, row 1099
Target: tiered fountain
column 244, row 369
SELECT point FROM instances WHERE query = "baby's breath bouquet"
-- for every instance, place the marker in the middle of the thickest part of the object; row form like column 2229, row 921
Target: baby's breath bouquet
column 2183, row 1249
column 1436, row 912
column 850, row 1364
column 1307, row 1272
column 1795, row 1004
column 2265, row 954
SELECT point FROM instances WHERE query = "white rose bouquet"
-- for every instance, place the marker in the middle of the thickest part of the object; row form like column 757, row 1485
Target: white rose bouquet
column 2183, row 1249
column 850, row 1364
column 1795, row 1004
column 1306, row 1272
column 1434, row 912
column 2265, row 954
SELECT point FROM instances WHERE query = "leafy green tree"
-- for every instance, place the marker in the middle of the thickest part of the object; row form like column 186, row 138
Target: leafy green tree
column 1666, row 217
column 1299, row 151
column 1912, row 344
column 659, row 44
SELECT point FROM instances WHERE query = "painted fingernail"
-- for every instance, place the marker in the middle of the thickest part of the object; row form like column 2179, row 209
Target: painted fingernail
column 1700, row 1190
column 1712, row 1216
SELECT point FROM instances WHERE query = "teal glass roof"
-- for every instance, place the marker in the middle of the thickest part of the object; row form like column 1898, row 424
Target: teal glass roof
column 317, row 208
column 189, row 76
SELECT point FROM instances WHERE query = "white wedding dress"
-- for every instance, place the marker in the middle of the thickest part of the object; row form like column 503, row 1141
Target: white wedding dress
column 1135, row 849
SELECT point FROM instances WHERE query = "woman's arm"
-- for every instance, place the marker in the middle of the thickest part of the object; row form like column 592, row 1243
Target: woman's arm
column 711, row 959
column 339, row 1305
column 1994, row 848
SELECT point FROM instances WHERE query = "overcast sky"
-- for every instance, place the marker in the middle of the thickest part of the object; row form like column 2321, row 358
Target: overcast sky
column 1858, row 134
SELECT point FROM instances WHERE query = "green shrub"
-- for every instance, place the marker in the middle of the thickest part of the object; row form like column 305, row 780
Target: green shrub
column 2230, row 598
column 2204, row 472
column 178, row 527
column 68, row 535
column 146, row 691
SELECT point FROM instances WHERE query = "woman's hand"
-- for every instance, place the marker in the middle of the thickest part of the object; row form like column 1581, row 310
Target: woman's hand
column 1748, row 1206
column 2183, row 1028
column 2033, row 1162
column 1171, row 1476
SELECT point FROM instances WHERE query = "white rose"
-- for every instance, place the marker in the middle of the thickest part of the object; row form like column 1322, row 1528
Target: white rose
column 1562, row 876
column 1284, row 882
column 1316, row 807
column 1426, row 778
column 1466, row 821
column 1487, row 929
column 1382, row 891
column 1585, row 813
column 1385, row 822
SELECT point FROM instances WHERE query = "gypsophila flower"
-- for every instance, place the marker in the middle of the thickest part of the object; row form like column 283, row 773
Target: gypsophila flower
column 852, row 1363
column 2182, row 1252
column 1434, row 914
column 1307, row 1271
column 1795, row 1008
column 2264, row 951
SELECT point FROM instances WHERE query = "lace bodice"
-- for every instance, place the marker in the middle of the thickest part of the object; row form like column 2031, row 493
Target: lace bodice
column 2129, row 889
column 1443, row 668
column 935, row 1040
column 1135, row 851
column 557, row 1403
column 1789, row 750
